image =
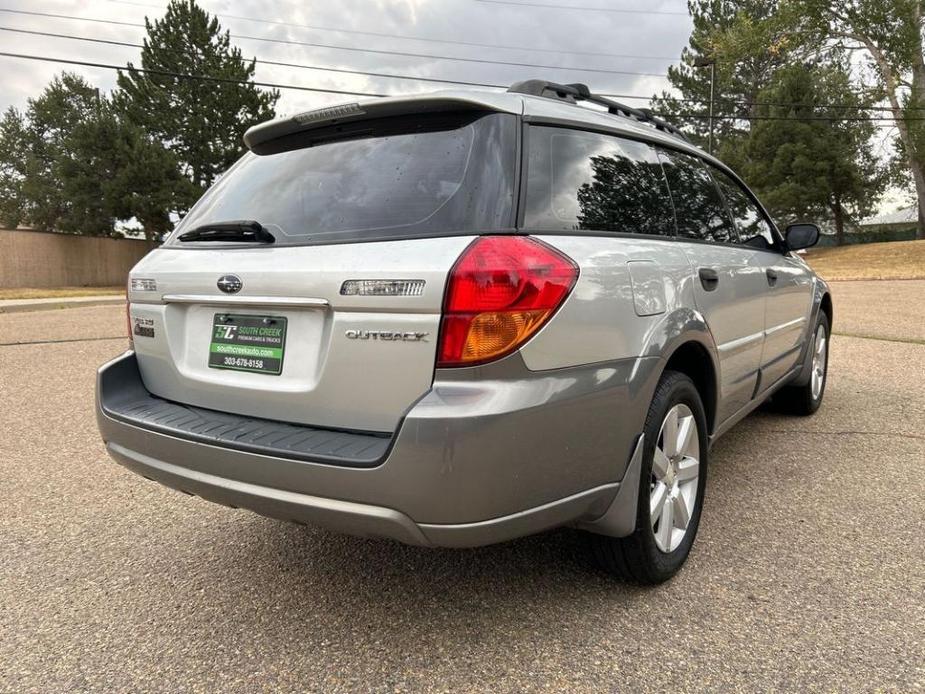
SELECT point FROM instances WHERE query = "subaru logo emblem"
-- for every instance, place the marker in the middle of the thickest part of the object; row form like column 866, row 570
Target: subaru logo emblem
column 230, row 284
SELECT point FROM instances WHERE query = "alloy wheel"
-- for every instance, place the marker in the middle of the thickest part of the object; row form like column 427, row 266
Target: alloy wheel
column 675, row 474
column 820, row 357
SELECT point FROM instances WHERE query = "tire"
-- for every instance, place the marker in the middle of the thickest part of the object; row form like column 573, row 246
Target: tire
column 656, row 550
column 803, row 400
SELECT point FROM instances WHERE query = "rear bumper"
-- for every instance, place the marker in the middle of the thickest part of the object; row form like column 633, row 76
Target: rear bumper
column 489, row 454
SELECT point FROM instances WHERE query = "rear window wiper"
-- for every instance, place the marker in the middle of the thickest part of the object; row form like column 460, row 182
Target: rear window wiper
column 240, row 231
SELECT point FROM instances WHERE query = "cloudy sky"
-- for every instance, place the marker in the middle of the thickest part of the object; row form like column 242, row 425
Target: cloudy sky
column 615, row 46
column 573, row 41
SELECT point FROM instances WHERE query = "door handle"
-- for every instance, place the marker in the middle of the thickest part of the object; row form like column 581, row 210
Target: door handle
column 709, row 278
column 772, row 276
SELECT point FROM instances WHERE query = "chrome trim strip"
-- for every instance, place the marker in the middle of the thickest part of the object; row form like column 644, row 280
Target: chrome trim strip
column 739, row 344
column 276, row 301
column 785, row 326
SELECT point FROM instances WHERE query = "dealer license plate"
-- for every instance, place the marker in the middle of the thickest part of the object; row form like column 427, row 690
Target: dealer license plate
column 248, row 343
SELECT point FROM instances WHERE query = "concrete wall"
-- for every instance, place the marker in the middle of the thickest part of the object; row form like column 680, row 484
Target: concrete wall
column 43, row 259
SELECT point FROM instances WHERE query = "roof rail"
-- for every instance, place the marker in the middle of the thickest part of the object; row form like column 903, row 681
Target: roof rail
column 574, row 93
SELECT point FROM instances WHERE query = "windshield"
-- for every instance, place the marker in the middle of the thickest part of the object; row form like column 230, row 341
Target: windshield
column 394, row 178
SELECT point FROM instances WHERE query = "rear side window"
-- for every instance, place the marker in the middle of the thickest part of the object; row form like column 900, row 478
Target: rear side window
column 390, row 178
column 754, row 229
column 699, row 208
column 580, row 180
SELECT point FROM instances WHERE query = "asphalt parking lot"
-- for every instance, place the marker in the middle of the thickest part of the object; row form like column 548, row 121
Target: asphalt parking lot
column 808, row 572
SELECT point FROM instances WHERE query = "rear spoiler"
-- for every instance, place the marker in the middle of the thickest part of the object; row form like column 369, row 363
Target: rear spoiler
column 379, row 108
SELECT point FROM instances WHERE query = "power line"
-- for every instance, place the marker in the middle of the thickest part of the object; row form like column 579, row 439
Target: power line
column 851, row 107
column 314, row 27
column 405, row 54
column 415, row 78
column 260, row 61
column 180, row 75
column 583, row 9
column 227, row 80
column 398, row 76
column 778, row 104
column 834, row 119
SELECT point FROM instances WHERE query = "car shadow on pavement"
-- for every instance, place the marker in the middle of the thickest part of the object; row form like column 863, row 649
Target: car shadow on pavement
column 487, row 593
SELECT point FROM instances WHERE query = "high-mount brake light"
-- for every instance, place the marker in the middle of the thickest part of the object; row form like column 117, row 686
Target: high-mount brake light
column 500, row 292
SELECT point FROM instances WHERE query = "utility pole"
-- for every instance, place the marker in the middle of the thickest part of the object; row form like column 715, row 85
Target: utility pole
column 711, row 63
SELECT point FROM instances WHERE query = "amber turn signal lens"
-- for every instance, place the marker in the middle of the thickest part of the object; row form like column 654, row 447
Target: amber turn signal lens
column 496, row 333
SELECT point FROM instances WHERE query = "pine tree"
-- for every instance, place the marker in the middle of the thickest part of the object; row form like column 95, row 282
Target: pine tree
column 51, row 117
column 71, row 163
column 13, row 151
column 802, row 164
column 888, row 33
column 201, row 121
column 739, row 75
column 112, row 170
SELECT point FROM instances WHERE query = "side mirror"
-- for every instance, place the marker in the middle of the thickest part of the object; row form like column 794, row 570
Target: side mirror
column 801, row 236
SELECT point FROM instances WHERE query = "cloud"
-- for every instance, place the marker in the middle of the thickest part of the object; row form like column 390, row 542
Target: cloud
column 522, row 34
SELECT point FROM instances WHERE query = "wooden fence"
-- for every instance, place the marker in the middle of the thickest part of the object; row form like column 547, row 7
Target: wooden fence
column 44, row 259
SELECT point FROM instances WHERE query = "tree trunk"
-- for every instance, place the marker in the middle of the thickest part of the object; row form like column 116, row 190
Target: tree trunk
column 914, row 158
column 917, row 101
column 839, row 216
column 919, row 177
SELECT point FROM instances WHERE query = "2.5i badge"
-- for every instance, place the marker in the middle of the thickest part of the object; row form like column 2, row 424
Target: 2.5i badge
column 248, row 343
column 144, row 327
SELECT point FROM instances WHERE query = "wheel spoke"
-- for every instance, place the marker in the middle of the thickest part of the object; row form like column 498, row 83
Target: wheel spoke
column 819, row 358
column 688, row 469
column 666, row 527
column 660, row 464
column 657, row 501
column 685, row 431
column 682, row 515
column 670, row 433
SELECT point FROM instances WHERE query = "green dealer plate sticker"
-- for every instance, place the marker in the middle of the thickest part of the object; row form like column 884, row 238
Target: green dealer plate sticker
column 248, row 343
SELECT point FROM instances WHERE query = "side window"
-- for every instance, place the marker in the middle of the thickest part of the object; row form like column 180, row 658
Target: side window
column 753, row 228
column 698, row 205
column 580, row 180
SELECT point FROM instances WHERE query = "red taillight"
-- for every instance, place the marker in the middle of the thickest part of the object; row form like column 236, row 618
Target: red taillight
column 499, row 293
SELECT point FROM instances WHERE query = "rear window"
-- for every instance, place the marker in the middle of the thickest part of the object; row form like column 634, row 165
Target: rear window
column 375, row 180
column 580, row 180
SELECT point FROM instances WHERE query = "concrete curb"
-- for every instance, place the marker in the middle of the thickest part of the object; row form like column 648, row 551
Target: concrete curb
column 52, row 305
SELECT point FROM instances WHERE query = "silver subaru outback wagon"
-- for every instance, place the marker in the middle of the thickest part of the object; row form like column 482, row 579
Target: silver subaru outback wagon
column 458, row 318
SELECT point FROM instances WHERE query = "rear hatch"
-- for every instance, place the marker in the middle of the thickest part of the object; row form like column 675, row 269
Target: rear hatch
column 332, row 319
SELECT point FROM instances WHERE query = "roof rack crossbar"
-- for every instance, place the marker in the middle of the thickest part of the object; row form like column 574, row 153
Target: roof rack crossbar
column 580, row 92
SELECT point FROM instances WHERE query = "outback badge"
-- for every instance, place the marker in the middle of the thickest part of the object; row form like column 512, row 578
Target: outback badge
column 386, row 335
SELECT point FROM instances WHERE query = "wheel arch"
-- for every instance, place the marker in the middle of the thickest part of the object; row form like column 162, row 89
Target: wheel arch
column 684, row 343
column 692, row 358
column 825, row 305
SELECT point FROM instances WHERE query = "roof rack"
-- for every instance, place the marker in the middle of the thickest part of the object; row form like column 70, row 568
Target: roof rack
column 574, row 93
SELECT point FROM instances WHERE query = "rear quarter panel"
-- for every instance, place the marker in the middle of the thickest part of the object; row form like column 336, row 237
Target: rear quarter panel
column 634, row 297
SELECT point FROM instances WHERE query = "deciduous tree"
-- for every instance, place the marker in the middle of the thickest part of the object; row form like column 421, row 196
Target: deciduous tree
column 889, row 34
